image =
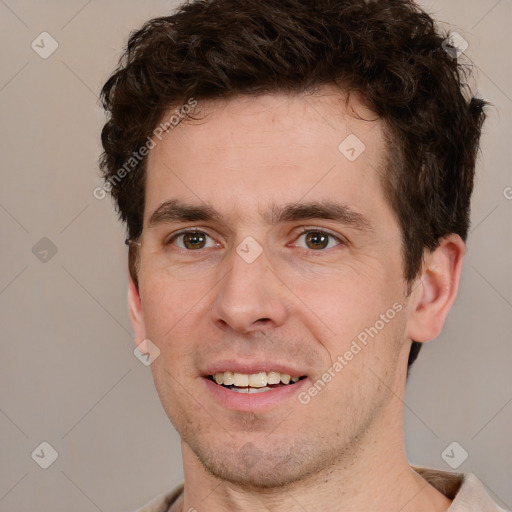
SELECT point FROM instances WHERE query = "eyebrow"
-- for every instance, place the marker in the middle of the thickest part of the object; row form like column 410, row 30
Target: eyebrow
column 178, row 211
column 327, row 210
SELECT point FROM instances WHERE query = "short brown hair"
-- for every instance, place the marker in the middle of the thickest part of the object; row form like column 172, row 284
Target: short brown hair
column 389, row 51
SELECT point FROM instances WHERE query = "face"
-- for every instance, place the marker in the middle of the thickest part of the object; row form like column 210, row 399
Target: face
column 269, row 253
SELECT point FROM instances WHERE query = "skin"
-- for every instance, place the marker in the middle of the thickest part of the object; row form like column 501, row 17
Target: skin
column 298, row 303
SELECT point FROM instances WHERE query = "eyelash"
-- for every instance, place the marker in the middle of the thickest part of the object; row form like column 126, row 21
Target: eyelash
column 304, row 230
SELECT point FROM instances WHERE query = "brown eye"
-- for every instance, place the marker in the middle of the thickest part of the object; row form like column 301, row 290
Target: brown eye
column 192, row 240
column 317, row 240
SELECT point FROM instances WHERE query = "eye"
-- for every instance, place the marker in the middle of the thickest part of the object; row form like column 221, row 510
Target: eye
column 192, row 240
column 317, row 240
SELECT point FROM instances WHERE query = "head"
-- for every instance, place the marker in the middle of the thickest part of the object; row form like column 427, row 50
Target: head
column 246, row 111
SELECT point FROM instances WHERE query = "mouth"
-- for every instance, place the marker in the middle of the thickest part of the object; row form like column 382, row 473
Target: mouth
column 259, row 382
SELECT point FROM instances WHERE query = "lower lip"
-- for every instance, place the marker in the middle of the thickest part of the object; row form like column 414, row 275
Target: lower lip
column 251, row 402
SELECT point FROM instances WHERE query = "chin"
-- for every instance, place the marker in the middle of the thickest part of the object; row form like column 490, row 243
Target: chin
column 251, row 467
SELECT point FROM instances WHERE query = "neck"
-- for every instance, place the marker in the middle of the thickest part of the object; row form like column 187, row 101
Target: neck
column 376, row 472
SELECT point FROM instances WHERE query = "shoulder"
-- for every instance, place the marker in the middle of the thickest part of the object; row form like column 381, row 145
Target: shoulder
column 465, row 489
column 162, row 502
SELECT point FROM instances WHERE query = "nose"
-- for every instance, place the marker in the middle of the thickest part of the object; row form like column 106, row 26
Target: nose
column 250, row 297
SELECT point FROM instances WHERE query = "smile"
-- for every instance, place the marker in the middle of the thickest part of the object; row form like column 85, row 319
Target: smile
column 259, row 382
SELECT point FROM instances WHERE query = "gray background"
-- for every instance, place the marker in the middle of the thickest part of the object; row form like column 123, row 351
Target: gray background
column 68, row 373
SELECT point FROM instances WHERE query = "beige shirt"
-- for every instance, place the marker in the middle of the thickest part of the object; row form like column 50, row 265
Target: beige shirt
column 466, row 491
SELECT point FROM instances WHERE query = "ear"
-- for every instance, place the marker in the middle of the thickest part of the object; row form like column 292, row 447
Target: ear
column 135, row 308
column 435, row 289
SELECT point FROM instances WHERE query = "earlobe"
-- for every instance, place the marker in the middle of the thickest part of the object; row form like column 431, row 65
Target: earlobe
column 436, row 289
column 135, row 309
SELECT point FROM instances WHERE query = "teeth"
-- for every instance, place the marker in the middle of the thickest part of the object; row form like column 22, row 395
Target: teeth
column 250, row 390
column 258, row 380
column 241, row 380
column 273, row 378
column 254, row 380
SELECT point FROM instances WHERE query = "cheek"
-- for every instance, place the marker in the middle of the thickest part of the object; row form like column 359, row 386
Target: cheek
column 363, row 357
column 352, row 301
column 169, row 306
column 363, row 307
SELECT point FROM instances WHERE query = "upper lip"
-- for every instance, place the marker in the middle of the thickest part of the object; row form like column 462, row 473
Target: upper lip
column 250, row 367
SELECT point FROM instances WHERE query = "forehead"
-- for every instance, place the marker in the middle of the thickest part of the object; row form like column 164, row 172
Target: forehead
column 271, row 149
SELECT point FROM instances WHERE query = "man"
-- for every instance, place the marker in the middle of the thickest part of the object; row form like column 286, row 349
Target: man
column 296, row 178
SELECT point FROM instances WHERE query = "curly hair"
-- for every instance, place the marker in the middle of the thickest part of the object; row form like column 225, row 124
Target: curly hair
column 390, row 52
